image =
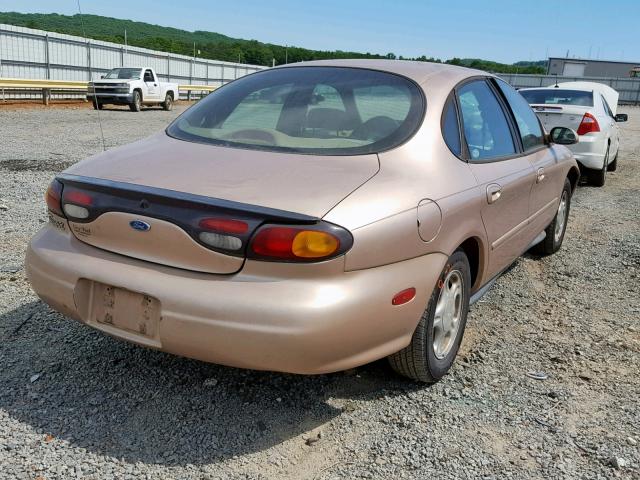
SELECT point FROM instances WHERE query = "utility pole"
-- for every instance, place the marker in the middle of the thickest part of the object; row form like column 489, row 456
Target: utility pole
column 286, row 54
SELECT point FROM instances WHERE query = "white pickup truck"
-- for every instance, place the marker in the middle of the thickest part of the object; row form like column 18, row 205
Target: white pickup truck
column 132, row 86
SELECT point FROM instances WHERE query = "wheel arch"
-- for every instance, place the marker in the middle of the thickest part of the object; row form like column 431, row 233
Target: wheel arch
column 574, row 176
column 473, row 248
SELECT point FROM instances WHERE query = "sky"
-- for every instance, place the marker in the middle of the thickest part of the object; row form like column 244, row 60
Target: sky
column 499, row 30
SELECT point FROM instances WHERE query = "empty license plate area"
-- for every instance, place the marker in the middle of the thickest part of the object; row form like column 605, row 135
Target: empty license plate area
column 122, row 309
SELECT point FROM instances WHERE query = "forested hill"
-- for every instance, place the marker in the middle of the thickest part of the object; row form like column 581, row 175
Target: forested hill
column 215, row 45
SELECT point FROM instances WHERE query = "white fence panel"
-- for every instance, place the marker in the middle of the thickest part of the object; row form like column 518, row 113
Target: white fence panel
column 37, row 54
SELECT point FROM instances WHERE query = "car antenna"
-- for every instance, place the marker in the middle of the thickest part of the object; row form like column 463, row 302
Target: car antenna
column 95, row 99
column 556, row 75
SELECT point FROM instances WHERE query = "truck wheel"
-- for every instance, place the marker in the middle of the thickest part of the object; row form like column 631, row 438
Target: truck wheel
column 137, row 102
column 437, row 337
column 168, row 103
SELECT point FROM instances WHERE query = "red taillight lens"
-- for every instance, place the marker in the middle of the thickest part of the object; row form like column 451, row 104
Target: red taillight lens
column 294, row 243
column 589, row 124
column 77, row 197
column 224, row 225
column 53, row 196
column 275, row 242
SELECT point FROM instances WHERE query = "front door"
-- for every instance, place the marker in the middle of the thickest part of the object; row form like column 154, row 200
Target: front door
column 151, row 85
column 504, row 176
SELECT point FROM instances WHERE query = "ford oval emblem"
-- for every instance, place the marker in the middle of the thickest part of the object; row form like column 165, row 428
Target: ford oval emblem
column 139, row 225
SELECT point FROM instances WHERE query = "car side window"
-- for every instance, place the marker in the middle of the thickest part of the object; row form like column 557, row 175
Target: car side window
column 450, row 128
column 607, row 110
column 527, row 121
column 486, row 128
column 148, row 76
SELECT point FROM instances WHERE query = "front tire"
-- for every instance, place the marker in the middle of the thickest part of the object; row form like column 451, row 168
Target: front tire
column 136, row 104
column 598, row 177
column 558, row 226
column 168, row 103
column 437, row 337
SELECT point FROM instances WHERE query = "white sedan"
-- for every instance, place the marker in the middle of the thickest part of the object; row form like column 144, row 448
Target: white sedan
column 590, row 109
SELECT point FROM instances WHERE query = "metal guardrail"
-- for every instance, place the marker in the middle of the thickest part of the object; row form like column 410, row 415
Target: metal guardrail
column 48, row 86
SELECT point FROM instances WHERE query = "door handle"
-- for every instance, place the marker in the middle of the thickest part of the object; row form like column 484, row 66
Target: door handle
column 494, row 191
column 155, row 84
column 540, row 175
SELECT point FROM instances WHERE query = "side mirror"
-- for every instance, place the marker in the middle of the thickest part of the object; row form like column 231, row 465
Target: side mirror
column 563, row 136
column 622, row 117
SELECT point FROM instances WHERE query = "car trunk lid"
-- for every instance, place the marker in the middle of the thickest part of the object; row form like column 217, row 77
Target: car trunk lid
column 148, row 200
column 552, row 115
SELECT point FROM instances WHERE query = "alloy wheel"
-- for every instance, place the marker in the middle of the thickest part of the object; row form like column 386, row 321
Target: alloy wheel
column 448, row 314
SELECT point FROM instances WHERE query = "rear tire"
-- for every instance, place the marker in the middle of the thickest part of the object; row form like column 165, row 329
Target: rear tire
column 614, row 164
column 136, row 105
column 558, row 226
column 168, row 103
column 437, row 337
column 598, row 177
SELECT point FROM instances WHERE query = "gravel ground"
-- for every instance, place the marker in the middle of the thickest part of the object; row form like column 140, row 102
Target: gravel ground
column 75, row 403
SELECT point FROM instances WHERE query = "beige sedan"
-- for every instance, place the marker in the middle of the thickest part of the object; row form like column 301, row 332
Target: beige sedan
column 310, row 218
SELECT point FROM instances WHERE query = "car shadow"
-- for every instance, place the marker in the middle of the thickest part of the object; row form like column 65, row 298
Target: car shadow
column 121, row 400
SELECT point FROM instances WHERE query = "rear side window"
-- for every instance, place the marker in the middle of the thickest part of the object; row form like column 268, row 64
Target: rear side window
column 315, row 110
column 450, row 129
column 558, row 96
column 486, row 128
column 527, row 121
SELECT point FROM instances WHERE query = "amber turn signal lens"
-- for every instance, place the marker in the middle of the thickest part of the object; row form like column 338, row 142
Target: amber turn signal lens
column 314, row 244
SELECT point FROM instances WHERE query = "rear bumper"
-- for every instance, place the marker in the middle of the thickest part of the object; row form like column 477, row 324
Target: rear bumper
column 590, row 151
column 304, row 319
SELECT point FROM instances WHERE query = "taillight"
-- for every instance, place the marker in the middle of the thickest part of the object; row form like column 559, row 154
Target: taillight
column 53, row 196
column 75, row 204
column 299, row 243
column 221, row 232
column 588, row 124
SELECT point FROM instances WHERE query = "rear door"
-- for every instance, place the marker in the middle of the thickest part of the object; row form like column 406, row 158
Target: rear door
column 549, row 178
column 504, row 176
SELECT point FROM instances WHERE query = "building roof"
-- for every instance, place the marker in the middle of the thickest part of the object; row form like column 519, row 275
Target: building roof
column 592, row 60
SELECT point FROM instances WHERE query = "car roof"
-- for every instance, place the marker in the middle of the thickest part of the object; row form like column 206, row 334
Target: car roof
column 417, row 71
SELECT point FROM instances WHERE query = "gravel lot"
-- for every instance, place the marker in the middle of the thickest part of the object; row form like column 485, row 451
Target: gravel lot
column 75, row 403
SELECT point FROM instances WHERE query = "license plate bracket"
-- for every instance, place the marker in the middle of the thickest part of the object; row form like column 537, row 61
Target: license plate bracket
column 123, row 309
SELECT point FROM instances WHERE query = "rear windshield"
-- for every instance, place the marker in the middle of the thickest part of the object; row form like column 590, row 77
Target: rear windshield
column 316, row 110
column 558, row 96
column 124, row 73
